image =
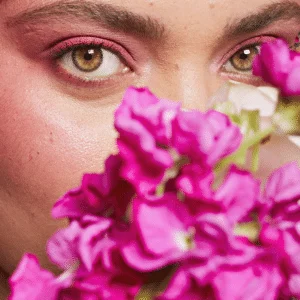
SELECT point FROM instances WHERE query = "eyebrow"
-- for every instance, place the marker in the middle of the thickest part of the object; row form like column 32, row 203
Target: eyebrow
column 108, row 15
column 272, row 13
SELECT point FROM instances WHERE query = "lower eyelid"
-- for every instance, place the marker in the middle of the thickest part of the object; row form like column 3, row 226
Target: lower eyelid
column 248, row 79
column 80, row 82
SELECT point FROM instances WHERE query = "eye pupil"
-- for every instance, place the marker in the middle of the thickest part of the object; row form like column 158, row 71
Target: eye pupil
column 89, row 54
column 87, row 59
column 245, row 54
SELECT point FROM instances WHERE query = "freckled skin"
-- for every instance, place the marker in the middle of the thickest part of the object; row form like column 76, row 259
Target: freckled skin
column 50, row 134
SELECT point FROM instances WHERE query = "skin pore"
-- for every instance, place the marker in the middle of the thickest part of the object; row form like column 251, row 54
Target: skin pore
column 64, row 68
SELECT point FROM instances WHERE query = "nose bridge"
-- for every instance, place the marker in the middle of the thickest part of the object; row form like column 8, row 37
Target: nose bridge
column 187, row 81
column 193, row 86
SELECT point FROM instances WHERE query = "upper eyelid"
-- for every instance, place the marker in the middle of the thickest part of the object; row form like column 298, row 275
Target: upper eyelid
column 66, row 50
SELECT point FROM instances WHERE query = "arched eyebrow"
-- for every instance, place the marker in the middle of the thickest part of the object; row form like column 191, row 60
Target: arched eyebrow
column 279, row 11
column 120, row 19
column 114, row 17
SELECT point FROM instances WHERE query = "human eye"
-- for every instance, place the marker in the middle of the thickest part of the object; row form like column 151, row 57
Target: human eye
column 242, row 60
column 239, row 63
column 90, row 61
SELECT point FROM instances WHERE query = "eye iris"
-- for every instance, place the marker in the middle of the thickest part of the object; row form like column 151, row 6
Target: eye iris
column 243, row 59
column 87, row 59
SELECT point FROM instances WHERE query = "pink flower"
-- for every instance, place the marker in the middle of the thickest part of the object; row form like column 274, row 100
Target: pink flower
column 279, row 66
column 279, row 218
column 226, row 135
column 255, row 281
column 183, row 286
column 29, row 281
column 92, row 246
column 98, row 194
column 100, row 284
column 156, row 115
column 204, row 138
column 62, row 247
column 222, row 248
column 85, row 242
column 144, row 125
column 107, row 279
column 196, row 183
column 195, row 278
column 238, row 195
column 280, row 208
column 294, row 285
column 164, row 234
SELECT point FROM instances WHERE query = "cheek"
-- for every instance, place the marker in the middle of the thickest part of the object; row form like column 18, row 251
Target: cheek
column 48, row 141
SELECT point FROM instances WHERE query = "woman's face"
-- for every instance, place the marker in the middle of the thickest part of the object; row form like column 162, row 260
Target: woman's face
column 65, row 66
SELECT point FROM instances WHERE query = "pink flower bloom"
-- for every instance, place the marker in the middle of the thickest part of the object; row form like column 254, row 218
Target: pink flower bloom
column 294, row 285
column 204, row 138
column 119, row 282
column 62, row 247
column 227, row 136
column 236, row 197
column 156, row 115
column 164, row 234
column 182, row 286
column 279, row 66
column 195, row 278
column 196, row 182
column 82, row 242
column 280, row 208
column 98, row 193
column 238, row 194
column 29, row 281
column 144, row 125
column 255, row 281
column 283, row 185
column 100, row 285
column 279, row 218
column 222, row 248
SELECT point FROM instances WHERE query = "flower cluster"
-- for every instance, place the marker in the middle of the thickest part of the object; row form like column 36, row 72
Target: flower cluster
column 279, row 66
column 161, row 223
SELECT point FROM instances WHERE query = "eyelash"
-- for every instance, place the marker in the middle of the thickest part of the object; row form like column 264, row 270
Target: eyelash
column 64, row 47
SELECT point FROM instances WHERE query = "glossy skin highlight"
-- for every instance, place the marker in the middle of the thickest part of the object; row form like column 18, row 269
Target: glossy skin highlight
column 54, row 128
